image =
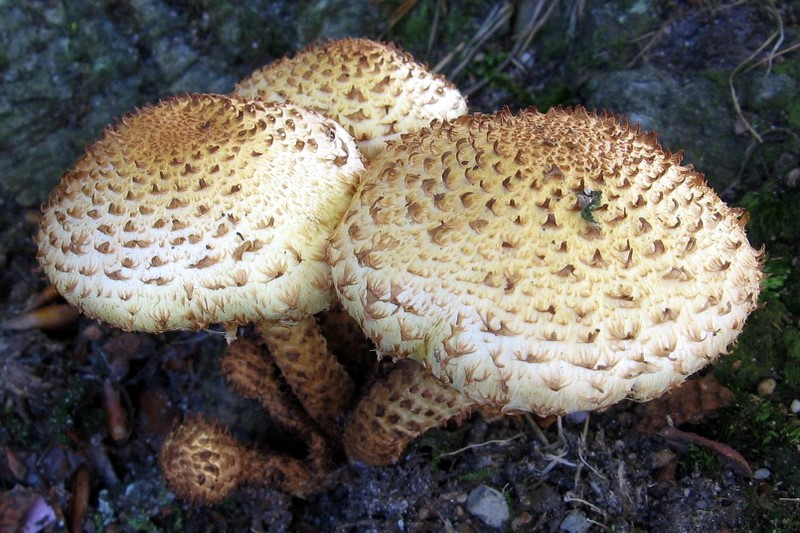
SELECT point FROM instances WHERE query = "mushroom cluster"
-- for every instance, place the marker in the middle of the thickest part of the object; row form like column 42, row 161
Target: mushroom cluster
column 538, row 262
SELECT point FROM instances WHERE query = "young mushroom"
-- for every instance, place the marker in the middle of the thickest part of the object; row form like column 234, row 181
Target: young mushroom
column 545, row 263
column 203, row 463
column 206, row 209
column 373, row 90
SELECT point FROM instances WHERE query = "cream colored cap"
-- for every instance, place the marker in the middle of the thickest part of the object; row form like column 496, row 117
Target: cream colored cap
column 544, row 262
column 201, row 209
column 372, row 89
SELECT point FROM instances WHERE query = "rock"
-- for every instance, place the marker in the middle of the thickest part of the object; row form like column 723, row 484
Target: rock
column 795, row 406
column 661, row 458
column 761, row 474
column 489, row 505
column 575, row 522
column 70, row 69
column 766, row 387
column 652, row 98
column 578, row 417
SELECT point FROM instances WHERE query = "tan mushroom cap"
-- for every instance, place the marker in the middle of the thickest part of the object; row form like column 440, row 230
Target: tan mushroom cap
column 373, row 89
column 475, row 248
column 201, row 209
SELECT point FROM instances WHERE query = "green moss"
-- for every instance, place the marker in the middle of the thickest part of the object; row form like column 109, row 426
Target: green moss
column 485, row 67
column 758, row 350
column 793, row 114
column 777, row 270
column 16, row 428
column 552, row 95
column 480, row 475
column 143, row 505
column 77, row 408
column 789, row 65
column 440, row 442
column 702, row 460
column 719, row 77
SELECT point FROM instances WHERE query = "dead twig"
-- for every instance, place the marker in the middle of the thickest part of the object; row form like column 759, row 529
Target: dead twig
column 775, row 37
column 523, row 41
column 736, row 459
column 482, row 444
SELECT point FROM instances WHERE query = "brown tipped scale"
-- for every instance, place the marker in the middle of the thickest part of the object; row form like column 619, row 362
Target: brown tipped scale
column 544, row 262
column 202, row 209
column 372, row 89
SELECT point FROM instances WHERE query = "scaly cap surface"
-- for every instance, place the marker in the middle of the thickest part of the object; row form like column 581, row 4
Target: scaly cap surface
column 544, row 262
column 201, row 209
column 372, row 89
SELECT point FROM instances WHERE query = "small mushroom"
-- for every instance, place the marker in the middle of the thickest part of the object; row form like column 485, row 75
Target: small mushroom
column 206, row 209
column 545, row 263
column 204, row 463
column 374, row 90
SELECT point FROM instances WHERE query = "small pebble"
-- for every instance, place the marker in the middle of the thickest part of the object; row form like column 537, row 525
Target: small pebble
column 575, row 522
column 662, row 458
column 766, row 387
column 761, row 474
column 489, row 505
column 795, row 406
column 522, row 522
column 793, row 178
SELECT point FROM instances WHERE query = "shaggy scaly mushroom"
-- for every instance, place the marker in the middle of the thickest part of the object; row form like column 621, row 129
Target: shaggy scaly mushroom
column 373, row 90
column 206, row 209
column 544, row 263
column 202, row 209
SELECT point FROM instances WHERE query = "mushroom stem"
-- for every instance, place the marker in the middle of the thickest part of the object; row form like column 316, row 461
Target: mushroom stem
column 348, row 343
column 250, row 370
column 203, row 463
column 396, row 410
column 317, row 378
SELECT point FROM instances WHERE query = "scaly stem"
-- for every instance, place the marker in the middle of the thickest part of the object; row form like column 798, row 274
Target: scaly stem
column 396, row 410
column 318, row 380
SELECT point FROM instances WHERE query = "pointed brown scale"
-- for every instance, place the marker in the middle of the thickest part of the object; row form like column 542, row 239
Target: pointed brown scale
column 643, row 274
column 375, row 90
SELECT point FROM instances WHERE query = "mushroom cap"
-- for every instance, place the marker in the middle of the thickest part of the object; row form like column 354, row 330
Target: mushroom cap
column 374, row 90
column 544, row 262
column 201, row 209
column 202, row 461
